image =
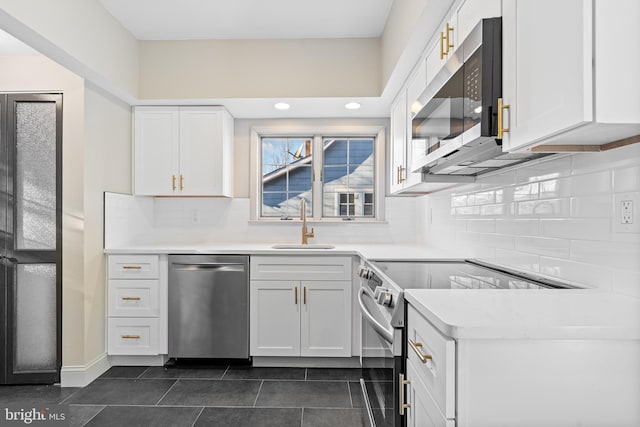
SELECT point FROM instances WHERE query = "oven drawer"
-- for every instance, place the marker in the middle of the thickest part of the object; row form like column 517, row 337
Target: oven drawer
column 433, row 356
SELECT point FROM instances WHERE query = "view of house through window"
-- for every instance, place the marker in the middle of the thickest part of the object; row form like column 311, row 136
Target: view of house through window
column 347, row 177
column 347, row 188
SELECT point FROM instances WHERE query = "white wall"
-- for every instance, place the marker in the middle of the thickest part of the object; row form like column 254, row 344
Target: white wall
column 557, row 217
column 201, row 69
column 79, row 34
column 107, row 166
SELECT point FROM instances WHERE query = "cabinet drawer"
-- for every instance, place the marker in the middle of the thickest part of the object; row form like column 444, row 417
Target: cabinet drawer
column 133, row 336
column 438, row 372
column 131, row 298
column 424, row 411
column 300, row 268
column 133, row 267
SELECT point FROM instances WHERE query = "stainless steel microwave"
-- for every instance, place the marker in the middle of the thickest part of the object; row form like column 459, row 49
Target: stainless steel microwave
column 455, row 132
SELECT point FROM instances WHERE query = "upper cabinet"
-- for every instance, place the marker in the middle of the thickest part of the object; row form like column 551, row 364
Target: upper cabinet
column 570, row 73
column 183, row 151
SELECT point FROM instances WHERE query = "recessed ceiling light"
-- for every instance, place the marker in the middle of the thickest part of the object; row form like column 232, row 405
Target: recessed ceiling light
column 352, row 106
column 282, row 106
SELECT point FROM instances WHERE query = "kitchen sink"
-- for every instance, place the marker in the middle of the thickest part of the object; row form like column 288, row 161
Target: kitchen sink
column 299, row 246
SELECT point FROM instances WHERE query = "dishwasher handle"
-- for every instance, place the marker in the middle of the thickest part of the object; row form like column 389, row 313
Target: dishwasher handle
column 209, row 266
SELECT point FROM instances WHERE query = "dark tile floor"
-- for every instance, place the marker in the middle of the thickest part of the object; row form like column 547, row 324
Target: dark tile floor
column 226, row 396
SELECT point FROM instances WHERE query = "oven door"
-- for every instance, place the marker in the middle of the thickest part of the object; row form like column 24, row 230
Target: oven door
column 380, row 366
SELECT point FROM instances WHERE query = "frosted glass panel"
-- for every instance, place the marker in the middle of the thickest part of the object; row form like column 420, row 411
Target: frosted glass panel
column 36, row 175
column 35, row 317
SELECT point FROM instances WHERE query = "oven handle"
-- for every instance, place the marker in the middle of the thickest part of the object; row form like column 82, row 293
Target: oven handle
column 381, row 330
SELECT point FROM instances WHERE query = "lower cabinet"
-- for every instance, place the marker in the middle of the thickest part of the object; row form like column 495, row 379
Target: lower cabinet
column 137, row 305
column 303, row 317
column 423, row 410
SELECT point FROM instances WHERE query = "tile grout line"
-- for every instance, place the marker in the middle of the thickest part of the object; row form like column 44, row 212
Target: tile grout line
column 225, row 371
column 302, row 418
column 350, row 397
column 197, row 417
column 143, row 372
column 305, row 373
column 258, row 394
column 95, row 415
column 167, row 392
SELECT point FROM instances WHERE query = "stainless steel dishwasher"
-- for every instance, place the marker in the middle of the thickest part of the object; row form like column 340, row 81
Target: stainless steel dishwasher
column 209, row 306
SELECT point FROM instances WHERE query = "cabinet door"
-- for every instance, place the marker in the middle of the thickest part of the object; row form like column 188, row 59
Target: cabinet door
column 398, row 132
column 275, row 318
column 156, row 134
column 326, row 319
column 202, row 147
column 547, row 66
column 423, row 411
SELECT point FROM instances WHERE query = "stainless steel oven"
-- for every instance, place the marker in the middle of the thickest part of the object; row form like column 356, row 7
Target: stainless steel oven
column 382, row 307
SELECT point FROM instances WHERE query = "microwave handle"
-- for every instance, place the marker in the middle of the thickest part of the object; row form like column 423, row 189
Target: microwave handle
column 381, row 330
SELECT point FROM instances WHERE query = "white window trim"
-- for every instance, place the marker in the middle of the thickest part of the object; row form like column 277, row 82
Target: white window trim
column 318, row 132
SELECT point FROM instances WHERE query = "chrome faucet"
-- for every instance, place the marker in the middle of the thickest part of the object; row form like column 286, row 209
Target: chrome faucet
column 303, row 216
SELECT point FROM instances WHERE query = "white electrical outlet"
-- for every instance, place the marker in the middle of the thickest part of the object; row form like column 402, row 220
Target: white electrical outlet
column 624, row 220
column 626, row 211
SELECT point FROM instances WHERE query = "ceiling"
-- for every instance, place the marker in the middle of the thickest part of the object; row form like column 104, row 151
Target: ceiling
column 250, row 19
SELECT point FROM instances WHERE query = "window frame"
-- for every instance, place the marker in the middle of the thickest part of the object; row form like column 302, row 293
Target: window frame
column 319, row 133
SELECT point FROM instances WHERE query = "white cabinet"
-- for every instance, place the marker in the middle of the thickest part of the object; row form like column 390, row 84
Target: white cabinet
column 570, row 76
column 137, row 305
column 183, row 151
column 300, row 306
column 423, row 410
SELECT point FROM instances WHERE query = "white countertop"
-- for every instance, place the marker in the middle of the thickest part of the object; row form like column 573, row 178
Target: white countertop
column 529, row 314
column 366, row 250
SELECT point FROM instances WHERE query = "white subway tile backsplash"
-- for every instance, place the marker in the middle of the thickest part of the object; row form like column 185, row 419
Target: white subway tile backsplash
column 558, row 219
column 518, row 227
column 600, row 206
column 626, row 180
column 559, row 248
column 589, row 275
column 625, row 256
column 578, row 228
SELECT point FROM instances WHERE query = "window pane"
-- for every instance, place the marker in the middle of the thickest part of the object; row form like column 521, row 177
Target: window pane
column 286, row 176
column 348, row 175
column 36, row 175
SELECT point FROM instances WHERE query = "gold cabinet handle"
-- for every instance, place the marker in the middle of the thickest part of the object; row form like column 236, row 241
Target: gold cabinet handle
column 416, row 346
column 402, row 404
column 131, row 337
column 304, row 295
column 181, row 182
column 442, row 53
column 132, row 267
column 400, row 172
column 173, row 182
column 448, row 43
column 501, row 108
column 295, row 294
column 130, row 298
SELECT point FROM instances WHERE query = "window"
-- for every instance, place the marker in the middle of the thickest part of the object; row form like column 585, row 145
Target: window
column 337, row 176
column 347, row 176
column 286, row 176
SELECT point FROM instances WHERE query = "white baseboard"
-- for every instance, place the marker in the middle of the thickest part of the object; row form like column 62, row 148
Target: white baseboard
column 83, row 375
column 307, row 362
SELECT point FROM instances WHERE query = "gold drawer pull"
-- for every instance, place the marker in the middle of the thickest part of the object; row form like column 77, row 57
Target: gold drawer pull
column 131, row 337
column 173, row 182
column 501, row 108
column 181, row 182
column 130, row 298
column 132, row 267
column 442, row 52
column 416, row 346
column 448, row 43
column 402, row 406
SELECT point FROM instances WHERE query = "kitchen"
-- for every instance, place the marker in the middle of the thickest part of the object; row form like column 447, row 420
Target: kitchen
column 556, row 216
